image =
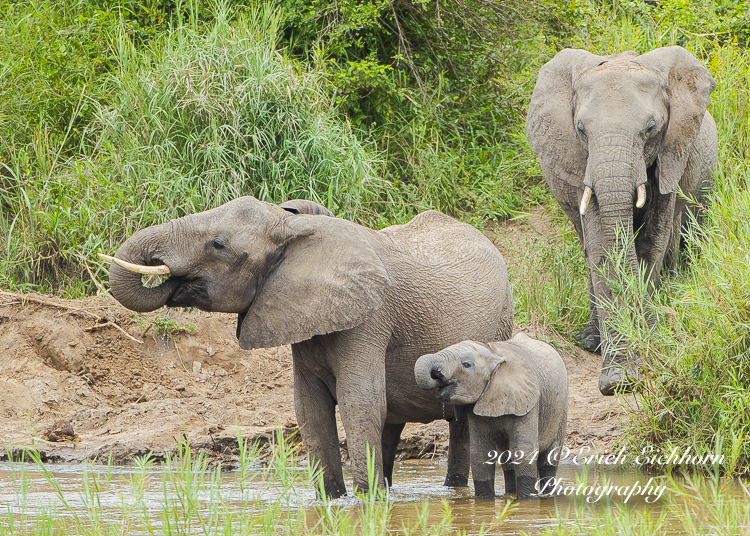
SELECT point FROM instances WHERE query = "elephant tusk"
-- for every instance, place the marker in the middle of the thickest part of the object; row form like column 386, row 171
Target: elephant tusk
column 585, row 200
column 137, row 268
column 641, row 196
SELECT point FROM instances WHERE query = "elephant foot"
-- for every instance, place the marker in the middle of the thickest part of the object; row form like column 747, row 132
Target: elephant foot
column 526, row 487
column 456, row 481
column 618, row 380
column 589, row 339
column 333, row 490
column 484, row 489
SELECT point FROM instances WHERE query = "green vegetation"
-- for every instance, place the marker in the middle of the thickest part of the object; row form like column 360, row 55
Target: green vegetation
column 116, row 116
column 274, row 497
column 693, row 506
column 164, row 325
column 272, row 494
column 193, row 118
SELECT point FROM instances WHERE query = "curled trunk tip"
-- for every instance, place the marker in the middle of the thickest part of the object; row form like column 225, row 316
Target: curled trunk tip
column 423, row 371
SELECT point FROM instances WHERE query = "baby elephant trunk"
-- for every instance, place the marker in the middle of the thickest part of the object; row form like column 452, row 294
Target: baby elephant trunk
column 432, row 371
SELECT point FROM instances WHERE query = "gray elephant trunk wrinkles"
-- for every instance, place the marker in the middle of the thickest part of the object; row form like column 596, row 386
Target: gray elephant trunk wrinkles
column 127, row 287
column 616, row 167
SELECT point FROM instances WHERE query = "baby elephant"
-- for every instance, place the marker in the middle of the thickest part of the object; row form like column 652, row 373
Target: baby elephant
column 515, row 395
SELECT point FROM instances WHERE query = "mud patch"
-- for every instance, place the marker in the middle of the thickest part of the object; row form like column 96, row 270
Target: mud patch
column 129, row 391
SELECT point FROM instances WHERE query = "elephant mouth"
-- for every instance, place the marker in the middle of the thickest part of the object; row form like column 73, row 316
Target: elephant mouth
column 446, row 392
column 190, row 293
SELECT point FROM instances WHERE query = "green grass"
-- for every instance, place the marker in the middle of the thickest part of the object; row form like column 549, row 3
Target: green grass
column 114, row 120
column 193, row 119
column 549, row 277
column 274, row 498
column 273, row 494
column 117, row 117
column 690, row 506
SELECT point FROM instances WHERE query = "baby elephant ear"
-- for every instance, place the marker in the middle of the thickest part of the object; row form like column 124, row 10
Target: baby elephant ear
column 326, row 276
column 513, row 388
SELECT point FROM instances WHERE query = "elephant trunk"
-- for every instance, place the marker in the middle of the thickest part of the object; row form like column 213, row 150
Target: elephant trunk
column 617, row 175
column 145, row 248
column 432, row 371
column 617, row 227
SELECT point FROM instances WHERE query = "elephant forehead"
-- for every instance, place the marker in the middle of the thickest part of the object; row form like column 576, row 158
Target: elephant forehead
column 618, row 76
column 244, row 209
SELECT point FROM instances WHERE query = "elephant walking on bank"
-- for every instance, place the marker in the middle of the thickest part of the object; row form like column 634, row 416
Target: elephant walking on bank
column 515, row 396
column 358, row 307
column 616, row 136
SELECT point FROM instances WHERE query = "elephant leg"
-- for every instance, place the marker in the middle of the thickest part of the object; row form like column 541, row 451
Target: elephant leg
column 458, row 454
column 698, row 181
column 526, row 471
column 547, row 463
column 482, row 473
column 363, row 416
column 389, row 441
column 509, row 476
column 361, row 395
column 315, row 409
column 549, row 460
column 658, row 235
column 619, row 366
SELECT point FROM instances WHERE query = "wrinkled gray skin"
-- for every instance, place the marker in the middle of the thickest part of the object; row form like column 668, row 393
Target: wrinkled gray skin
column 358, row 307
column 614, row 123
column 515, row 395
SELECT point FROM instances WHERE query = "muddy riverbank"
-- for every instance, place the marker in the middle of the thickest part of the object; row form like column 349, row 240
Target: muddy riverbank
column 128, row 389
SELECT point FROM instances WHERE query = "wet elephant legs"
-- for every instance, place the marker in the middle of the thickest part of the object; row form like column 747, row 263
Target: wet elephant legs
column 390, row 438
column 315, row 409
column 458, row 454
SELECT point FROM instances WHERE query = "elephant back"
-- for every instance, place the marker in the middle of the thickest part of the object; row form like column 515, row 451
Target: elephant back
column 451, row 278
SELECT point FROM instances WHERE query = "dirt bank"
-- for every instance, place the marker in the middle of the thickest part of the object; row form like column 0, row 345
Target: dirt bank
column 129, row 389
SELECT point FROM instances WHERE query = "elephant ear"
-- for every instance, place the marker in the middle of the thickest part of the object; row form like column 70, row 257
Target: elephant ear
column 327, row 277
column 513, row 388
column 303, row 206
column 689, row 86
column 549, row 123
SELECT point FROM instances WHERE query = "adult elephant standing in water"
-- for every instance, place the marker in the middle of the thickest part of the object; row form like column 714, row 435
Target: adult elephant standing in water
column 615, row 137
column 358, row 307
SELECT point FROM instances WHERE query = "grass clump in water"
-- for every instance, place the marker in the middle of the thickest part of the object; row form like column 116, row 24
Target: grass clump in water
column 274, row 494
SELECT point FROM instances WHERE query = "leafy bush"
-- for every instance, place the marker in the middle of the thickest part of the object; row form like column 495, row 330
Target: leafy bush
column 192, row 119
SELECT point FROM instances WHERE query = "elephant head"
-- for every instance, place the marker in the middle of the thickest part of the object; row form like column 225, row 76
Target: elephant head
column 287, row 272
column 619, row 129
column 494, row 377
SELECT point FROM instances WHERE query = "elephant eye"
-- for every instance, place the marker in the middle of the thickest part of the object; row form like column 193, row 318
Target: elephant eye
column 579, row 128
column 217, row 243
column 466, row 364
column 651, row 126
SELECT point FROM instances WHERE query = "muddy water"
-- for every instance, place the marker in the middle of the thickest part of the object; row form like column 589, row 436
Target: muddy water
column 414, row 483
